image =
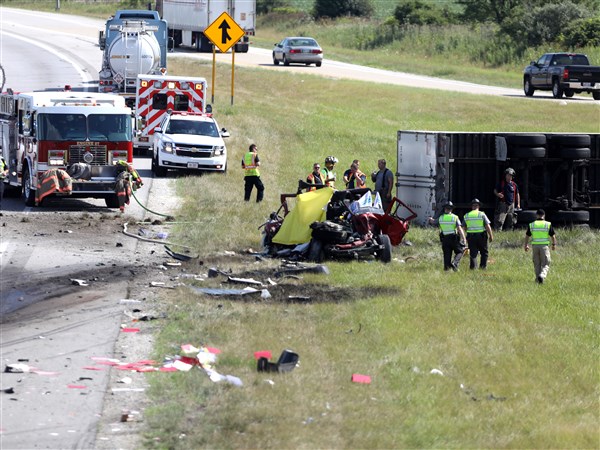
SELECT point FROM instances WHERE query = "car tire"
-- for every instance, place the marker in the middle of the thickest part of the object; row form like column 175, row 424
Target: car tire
column 557, row 90
column 275, row 60
column 574, row 153
column 319, row 65
column 28, row 192
column 572, row 140
column 285, row 61
column 315, row 251
column 570, row 216
column 158, row 171
column 112, row 201
column 386, row 252
column 526, row 216
column 527, row 152
column 596, row 95
column 526, row 140
column 527, row 87
column 569, row 93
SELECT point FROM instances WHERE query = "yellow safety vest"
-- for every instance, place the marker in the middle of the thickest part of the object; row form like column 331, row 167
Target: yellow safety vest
column 250, row 165
column 540, row 230
column 448, row 223
column 326, row 173
column 3, row 167
column 474, row 221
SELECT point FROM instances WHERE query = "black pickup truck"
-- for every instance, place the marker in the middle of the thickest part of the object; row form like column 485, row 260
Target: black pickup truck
column 562, row 73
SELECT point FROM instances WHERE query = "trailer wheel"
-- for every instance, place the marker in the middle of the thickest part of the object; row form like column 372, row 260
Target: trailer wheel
column 569, row 217
column 574, row 153
column 527, row 152
column 526, row 140
column 28, row 192
column 596, row 95
column 573, row 140
column 557, row 90
column 386, row 253
column 527, row 87
column 569, row 93
column 112, row 201
column 315, row 252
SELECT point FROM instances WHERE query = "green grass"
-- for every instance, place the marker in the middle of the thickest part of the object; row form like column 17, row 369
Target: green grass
column 526, row 355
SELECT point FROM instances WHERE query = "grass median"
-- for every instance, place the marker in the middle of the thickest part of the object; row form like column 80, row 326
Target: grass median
column 519, row 360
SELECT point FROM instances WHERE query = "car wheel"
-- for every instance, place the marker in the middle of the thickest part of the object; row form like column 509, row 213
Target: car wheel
column 574, row 153
column 527, row 87
column 157, row 170
column 386, row 253
column 527, row 152
column 596, row 95
column 275, row 60
column 318, row 64
column 315, row 252
column 557, row 90
column 570, row 216
column 285, row 61
column 28, row 192
column 112, row 201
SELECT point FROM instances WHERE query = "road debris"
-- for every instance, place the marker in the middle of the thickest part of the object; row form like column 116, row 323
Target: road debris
column 358, row 378
column 78, row 282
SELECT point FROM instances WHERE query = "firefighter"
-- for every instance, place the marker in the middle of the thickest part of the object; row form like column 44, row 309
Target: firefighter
column 478, row 232
column 541, row 233
column 452, row 237
column 508, row 196
column 328, row 173
column 250, row 164
column 3, row 175
column 315, row 177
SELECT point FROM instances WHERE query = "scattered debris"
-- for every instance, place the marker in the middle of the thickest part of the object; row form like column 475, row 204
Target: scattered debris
column 78, row 282
column 436, row 372
column 125, row 380
column 358, row 378
column 301, row 268
column 244, row 280
column 178, row 256
column 129, row 416
column 262, row 354
column 17, row 368
column 224, row 292
column 286, row 363
column 8, row 390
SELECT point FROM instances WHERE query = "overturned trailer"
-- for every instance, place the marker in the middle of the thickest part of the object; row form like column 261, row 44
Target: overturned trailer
column 555, row 171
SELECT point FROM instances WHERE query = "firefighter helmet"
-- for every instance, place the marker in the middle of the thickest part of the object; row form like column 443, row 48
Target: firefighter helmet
column 331, row 159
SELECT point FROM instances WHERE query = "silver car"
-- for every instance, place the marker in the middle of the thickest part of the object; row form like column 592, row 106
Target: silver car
column 303, row 50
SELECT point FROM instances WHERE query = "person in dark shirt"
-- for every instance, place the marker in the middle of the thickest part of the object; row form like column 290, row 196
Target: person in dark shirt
column 508, row 196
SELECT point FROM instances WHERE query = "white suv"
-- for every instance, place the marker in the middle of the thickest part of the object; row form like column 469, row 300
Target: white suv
column 189, row 141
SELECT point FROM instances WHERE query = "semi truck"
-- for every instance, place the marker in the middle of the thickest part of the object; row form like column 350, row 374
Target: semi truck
column 188, row 19
column 133, row 42
column 555, row 171
column 89, row 132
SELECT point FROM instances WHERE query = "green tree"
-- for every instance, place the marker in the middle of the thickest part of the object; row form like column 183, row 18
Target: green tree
column 489, row 10
column 267, row 6
column 582, row 33
column 416, row 12
column 339, row 8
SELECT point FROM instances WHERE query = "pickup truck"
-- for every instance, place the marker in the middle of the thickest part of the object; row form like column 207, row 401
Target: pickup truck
column 562, row 73
column 190, row 142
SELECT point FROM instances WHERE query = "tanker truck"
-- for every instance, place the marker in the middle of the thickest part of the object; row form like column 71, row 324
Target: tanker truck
column 134, row 42
column 188, row 19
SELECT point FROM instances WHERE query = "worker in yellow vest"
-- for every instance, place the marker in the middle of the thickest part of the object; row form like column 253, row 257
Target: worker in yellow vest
column 478, row 231
column 250, row 164
column 3, row 176
column 452, row 237
column 541, row 233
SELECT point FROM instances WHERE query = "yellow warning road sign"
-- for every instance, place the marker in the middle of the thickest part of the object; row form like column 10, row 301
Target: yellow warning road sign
column 224, row 32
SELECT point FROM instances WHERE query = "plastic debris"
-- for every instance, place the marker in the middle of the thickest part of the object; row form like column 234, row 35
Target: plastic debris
column 78, row 282
column 221, row 292
column 262, row 354
column 301, row 268
column 129, row 300
column 287, row 361
column 358, row 378
column 436, row 372
column 125, row 380
column 265, row 294
column 244, row 280
column 17, row 368
column 129, row 416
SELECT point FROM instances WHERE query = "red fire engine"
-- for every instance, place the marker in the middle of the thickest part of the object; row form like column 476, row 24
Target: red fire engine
column 156, row 95
column 87, row 131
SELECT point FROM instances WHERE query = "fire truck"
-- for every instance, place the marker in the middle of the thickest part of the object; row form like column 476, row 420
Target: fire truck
column 156, row 95
column 40, row 131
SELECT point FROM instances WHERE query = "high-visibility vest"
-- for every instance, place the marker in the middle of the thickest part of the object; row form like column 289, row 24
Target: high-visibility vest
column 448, row 223
column 314, row 179
column 540, row 230
column 474, row 221
column 3, row 167
column 250, row 164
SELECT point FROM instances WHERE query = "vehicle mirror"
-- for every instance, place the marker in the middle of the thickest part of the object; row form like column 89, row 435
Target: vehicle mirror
column 224, row 133
column 158, row 130
column 209, row 109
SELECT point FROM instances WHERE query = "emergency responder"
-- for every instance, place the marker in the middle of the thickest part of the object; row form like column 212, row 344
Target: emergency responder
column 356, row 179
column 348, row 172
column 541, row 233
column 452, row 237
column 315, row 177
column 508, row 196
column 384, row 183
column 3, row 175
column 328, row 173
column 250, row 163
column 478, row 232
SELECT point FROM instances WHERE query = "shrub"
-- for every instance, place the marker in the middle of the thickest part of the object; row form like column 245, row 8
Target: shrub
column 339, row 8
column 416, row 12
column 582, row 33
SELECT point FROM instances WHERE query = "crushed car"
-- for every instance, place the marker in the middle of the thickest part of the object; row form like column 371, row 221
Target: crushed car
column 328, row 224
